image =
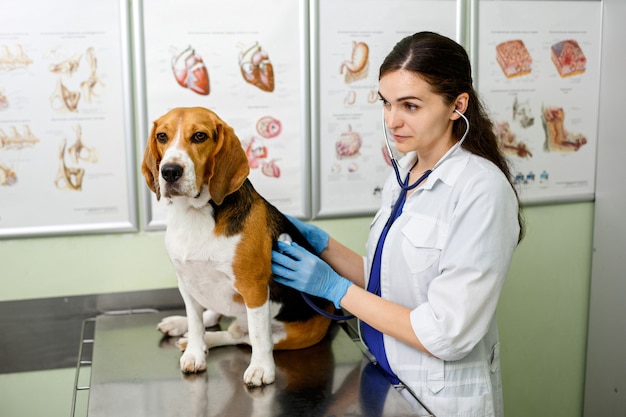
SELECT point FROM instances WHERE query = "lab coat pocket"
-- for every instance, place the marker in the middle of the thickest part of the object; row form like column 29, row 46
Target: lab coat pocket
column 494, row 360
column 436, row 374
column 423, row 241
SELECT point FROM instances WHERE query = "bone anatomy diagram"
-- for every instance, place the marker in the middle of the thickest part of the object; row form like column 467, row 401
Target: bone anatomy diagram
column 15, row 140
column 70, row 175
column 191, row 72
column 66, row 98
column 13, row 59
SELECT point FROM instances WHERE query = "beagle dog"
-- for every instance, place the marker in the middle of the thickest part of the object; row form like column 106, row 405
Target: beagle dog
column 219, row 236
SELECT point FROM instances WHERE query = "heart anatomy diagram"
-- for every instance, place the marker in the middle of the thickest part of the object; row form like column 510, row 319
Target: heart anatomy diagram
column 192, row 73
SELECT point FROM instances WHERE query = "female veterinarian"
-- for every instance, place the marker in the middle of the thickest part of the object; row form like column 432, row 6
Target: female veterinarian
column 440, row 246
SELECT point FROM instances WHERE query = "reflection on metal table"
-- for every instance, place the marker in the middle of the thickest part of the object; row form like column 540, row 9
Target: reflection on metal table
column 134, row 372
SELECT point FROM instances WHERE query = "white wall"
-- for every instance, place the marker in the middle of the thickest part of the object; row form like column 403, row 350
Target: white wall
column 605, row 385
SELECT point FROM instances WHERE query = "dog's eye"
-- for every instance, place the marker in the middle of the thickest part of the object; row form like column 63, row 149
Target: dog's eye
column 199, row 137
column 161, row 137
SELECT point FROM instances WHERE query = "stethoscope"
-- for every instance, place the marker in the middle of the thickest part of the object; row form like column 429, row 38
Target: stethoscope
column 394, row 162
column 405, row 186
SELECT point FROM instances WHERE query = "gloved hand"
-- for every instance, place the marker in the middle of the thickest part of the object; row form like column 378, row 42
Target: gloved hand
column 316, row 236
column 296, row 267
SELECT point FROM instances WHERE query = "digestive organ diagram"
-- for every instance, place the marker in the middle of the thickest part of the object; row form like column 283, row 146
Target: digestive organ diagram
column 349, row 144
column 256, row 67
column 191, row 72
column 13, row 58
column 67, row 93
column 70, row 176
column 356, row 68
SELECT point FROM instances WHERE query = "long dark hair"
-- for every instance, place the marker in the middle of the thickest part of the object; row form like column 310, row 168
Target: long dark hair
column 445, row 66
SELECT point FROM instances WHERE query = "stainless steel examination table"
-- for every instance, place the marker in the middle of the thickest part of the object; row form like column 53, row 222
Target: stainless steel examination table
column 134, row 372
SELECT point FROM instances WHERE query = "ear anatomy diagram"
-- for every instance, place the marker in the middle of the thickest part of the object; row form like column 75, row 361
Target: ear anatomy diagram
column 523, row 113
column 356, row 68
column 256, row 67
column 11, row 61
column 508, row 141
column 190, row 71
column 71, row 177
column 557, row 138
column 514, row 58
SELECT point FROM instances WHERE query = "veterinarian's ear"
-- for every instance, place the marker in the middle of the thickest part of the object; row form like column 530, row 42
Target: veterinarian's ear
column 230, row 164
column 150, row 165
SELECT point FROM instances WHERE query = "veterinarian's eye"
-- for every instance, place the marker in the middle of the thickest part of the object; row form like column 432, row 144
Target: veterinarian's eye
column 161, row 137
column 199, row 137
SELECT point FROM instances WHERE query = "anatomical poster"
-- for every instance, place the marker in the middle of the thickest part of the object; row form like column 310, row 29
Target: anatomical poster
column 66, row 150
column 352, row 38
column 539, row 74
column 247, row 60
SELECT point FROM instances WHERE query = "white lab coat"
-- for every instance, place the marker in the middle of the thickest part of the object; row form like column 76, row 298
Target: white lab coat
column 446, row 258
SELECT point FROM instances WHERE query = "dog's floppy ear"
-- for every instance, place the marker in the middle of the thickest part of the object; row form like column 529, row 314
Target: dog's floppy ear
column 150, row 164
column 230, row 164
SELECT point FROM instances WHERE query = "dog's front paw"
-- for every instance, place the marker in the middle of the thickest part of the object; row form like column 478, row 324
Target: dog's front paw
column 193, row 360
column 173, row 325
column 259, row 374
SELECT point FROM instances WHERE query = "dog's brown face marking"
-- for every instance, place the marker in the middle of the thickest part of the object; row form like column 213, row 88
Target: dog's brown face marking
column 203, row 145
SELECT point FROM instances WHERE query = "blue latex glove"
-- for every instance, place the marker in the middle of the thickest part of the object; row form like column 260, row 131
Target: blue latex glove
column 296, row 267
column 316, row 236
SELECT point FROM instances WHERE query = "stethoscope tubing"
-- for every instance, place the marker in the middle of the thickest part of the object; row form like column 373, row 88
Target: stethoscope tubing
column 394, row 162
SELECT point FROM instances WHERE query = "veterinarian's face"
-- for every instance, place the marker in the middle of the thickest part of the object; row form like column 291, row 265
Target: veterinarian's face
column 418, row 118
column 185, row 142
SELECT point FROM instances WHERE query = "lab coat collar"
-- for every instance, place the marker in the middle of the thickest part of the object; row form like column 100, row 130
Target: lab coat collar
column 448, row 172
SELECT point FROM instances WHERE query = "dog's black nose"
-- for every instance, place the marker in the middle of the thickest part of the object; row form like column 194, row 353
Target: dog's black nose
column 171, row 172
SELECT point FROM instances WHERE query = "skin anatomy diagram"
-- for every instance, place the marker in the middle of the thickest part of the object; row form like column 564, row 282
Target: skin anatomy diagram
column 513, row 58
column 568, row 58
column 70, row 176
column 191, row 72
column 65, row 98
column 256, row 67
column 356, row 68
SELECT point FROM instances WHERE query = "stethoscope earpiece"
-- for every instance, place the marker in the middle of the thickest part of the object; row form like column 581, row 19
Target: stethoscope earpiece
column 394, row 163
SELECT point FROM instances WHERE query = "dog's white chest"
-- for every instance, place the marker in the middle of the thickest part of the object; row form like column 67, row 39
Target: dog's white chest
column 203, row 261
